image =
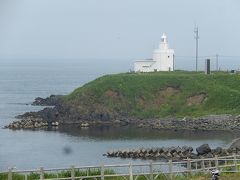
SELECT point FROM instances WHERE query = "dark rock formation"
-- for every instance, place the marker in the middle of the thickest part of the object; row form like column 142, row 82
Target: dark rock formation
column 203, row 149
column 210, row 122
column 64, row 112
column 174, row 153
column 52, row 100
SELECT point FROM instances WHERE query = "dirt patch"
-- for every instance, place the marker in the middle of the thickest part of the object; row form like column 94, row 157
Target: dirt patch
column 169, row 91
column 164, row 95
column 141, row 100
column 161, row 98
column 112, row 94
column 196, row 100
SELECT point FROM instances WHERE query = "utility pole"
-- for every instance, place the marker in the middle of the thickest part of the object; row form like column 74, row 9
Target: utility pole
column 216, row 62
column 196, row 37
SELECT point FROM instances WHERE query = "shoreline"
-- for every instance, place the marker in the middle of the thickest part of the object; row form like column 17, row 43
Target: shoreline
column 56, row 115
column 227, row 123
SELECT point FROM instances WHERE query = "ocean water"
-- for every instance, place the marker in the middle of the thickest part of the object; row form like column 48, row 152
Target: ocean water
column 23, row 80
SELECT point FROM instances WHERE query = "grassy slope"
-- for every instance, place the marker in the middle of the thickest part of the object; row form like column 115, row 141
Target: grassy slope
column 139, row 94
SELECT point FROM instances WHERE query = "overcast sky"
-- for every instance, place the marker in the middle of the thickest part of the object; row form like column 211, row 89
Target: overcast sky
column 116, row 29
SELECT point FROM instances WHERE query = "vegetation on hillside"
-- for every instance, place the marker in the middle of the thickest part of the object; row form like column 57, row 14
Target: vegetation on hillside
column 160, row 94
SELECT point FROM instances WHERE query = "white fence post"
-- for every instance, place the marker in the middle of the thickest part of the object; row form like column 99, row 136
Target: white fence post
column 151, row 170
column 189, row 168
column 10, row 173
column 210, row 163
column 88, row 169
column 170, row 169
column 235, row 162
column 41, row 173
column 102, row 172
column 72, row 172
column 202, row 164
column 130, row 171
column 216, row 161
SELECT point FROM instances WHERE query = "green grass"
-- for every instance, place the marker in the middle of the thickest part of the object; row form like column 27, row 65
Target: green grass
column 62, row 174
column 139, row 94
column 65, row 174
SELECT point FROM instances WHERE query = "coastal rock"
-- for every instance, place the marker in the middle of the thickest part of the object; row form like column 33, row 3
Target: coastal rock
column 28, row 123
column 55, row 123
column 84, row 125
column 49, row 101
column 95, row 114
column 173, row 153
column 217, row 151
column 203, row 149
column 153, row 153
column 235, row 144
column 68, row 116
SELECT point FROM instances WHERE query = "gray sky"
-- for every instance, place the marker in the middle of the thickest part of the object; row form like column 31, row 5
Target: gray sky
column 115, row 29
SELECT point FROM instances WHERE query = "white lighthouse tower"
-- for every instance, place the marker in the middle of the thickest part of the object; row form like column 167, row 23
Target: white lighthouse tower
column 163, row 59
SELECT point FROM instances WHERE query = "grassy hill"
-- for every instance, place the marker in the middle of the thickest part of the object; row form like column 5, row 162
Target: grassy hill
column 159, row 94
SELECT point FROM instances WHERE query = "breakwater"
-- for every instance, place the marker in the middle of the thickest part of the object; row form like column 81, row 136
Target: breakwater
column 175, row 153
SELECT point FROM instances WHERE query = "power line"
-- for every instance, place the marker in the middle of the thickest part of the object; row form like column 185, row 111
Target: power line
column 209, row 56
column 227, row 56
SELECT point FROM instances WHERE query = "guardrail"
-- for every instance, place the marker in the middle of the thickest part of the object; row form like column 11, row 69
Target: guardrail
column 149, row 171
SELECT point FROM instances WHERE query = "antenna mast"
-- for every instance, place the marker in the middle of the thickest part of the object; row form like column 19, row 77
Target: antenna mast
column 196, row 37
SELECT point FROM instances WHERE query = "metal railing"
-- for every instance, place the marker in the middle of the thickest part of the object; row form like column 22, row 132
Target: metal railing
column 149, row 171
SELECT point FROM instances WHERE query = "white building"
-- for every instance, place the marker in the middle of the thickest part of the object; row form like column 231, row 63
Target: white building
column 163, row 59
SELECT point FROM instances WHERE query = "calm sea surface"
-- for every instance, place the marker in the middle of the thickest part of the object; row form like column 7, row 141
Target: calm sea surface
column 22, row 81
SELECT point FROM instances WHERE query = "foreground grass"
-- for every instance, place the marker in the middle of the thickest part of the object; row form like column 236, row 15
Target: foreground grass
column 67, row 174
column 143, row 95
column 62, row 174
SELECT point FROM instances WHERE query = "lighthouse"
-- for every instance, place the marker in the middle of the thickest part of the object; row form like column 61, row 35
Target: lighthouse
column 162, row 60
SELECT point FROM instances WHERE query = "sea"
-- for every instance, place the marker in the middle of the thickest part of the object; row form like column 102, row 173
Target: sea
column 21, row 81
